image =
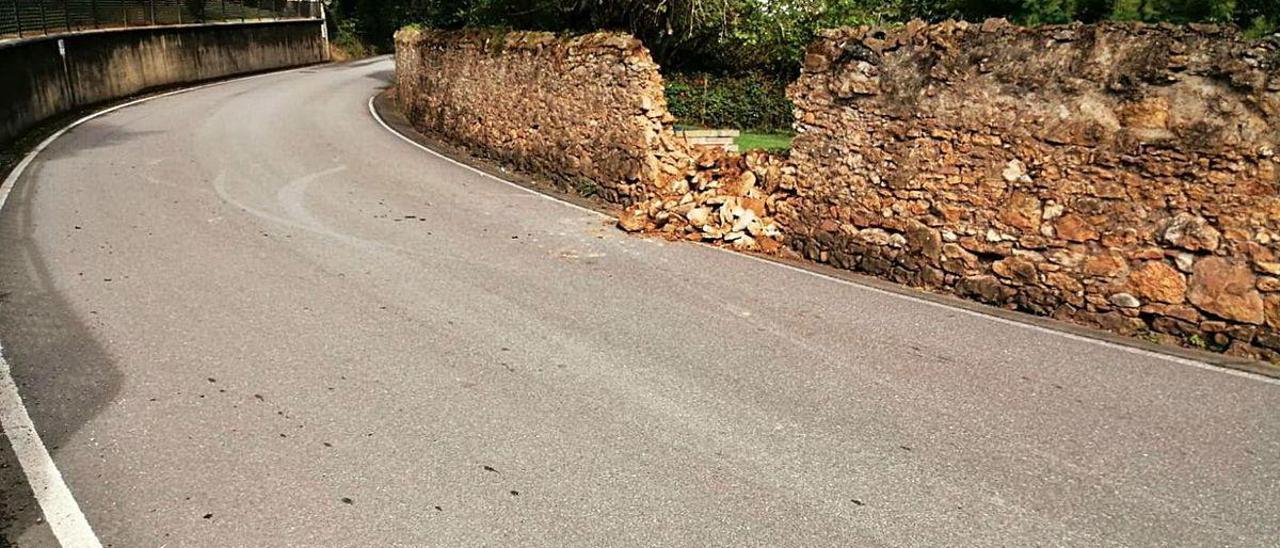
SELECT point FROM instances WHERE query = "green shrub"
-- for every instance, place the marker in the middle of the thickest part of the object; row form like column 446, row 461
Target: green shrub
column 1261, row 27
column 348, row 40
column 748, row 101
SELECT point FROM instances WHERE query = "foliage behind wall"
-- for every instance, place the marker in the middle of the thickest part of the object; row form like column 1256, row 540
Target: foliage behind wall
column 733, row 35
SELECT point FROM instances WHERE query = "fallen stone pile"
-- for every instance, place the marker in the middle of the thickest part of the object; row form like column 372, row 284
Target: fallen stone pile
column 727, row 198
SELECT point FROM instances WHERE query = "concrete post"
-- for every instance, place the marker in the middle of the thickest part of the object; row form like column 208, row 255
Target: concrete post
column 324, row 32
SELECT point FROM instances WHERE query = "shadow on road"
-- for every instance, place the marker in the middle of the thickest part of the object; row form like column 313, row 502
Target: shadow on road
column 65, row 377
column 384, row 76
column 363, row 62
column 98, row 135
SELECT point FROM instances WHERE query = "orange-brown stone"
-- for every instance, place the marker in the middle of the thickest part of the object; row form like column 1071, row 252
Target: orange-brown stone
column 1226, row 289
column 1157, row 281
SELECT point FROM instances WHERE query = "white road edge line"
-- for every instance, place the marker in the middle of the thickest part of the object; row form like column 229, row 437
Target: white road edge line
column 374, row 113
column 974, row 313
column 57, row 503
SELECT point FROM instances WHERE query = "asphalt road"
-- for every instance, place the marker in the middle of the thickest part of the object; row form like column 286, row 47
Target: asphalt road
column 250, row 316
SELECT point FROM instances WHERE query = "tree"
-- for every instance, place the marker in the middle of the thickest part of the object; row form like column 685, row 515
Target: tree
column 732, row 35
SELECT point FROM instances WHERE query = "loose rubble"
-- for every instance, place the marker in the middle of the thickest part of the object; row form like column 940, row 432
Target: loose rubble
column 725, row 199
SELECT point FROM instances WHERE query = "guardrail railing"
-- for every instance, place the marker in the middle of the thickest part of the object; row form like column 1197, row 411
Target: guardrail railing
column 26, row 18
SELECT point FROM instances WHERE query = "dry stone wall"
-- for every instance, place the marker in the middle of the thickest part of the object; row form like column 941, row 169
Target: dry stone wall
column 1123, row 176
column 586, row 109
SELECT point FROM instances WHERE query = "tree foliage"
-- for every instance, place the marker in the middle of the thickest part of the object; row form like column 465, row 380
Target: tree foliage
column 749, row 100
column 734, row 35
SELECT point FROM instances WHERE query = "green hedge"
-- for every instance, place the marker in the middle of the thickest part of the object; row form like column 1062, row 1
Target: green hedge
column 750, row 101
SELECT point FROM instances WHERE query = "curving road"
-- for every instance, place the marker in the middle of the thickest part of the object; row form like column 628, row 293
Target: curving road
column 249, row 315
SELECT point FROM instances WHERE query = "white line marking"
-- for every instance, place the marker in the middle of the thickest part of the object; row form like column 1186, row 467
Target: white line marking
column 1006, row 321
column 384, row 125
column 292, row 196
column 306, row 222
column 974, row 313
column 60, row 509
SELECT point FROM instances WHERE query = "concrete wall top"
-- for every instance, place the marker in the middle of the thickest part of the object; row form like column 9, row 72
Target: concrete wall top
column 18, row 42
column 49, row 75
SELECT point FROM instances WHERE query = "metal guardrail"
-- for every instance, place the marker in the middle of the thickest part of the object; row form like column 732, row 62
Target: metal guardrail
column 27, row 18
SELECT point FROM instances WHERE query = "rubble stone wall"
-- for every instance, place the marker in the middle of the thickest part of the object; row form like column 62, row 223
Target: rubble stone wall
column 1118, row 175
column 588, row 111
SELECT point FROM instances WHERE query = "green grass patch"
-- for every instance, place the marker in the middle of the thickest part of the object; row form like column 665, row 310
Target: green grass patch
column 586, row 187
column 772, row 142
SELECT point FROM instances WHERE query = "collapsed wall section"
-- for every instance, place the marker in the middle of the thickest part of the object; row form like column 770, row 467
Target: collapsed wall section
column 588, row 112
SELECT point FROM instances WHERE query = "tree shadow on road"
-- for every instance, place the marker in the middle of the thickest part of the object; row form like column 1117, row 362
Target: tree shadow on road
column 87, row 137
column 64, row 376
column 385, row 76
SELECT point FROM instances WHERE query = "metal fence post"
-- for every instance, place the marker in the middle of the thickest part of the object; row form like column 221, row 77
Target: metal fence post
column 17, row 17
column 66, row 15
column 44, row 20
column 153, row 12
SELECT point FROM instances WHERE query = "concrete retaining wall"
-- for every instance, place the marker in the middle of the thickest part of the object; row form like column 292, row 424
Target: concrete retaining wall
column 107, row 65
